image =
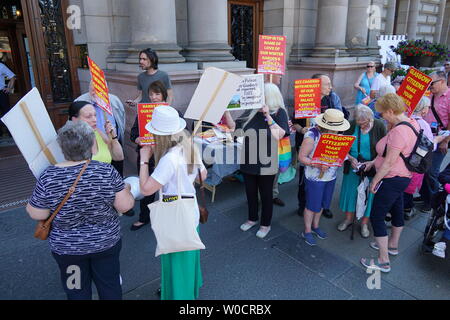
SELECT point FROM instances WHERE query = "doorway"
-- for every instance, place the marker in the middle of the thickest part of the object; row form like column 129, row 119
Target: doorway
column 245, row 24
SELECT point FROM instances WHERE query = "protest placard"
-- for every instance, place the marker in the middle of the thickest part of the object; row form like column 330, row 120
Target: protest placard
column 413, row 88
column 33, row 132
column 250, row 94
column 100, row 87
column 272, row 54
column 212, row 96
column 332, row 149
column 307, row 98
column 145, row 113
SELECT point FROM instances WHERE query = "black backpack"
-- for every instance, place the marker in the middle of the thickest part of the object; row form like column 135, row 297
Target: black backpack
column 421, row 156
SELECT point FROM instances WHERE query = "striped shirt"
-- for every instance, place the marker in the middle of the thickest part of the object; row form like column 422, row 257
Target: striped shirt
column 88, row 222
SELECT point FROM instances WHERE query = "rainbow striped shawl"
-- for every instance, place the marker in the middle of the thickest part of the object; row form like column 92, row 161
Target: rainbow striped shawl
column 284, row 154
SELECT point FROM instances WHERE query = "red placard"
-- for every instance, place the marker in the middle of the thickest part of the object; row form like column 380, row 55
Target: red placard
column 272, row 54
column 413, row 88
column 100, row 88
column 145, row 113
column 307, row 98
column 332, row 149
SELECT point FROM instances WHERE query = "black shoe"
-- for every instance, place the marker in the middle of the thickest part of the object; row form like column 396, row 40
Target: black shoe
column 300, row 212
column 327, row 213
column 129, row 213
column 158, row 292
column 134, row 228
column 278, row 202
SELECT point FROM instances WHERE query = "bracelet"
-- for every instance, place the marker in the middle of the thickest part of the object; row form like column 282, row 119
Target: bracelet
column 272, row 124
column 144, row 163
column 115, row 137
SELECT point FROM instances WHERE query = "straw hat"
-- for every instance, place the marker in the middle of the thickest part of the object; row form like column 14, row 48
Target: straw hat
column 165, row 122
column 332, row 119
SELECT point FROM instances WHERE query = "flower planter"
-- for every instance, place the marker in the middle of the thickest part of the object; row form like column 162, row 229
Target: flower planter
column 419, row 61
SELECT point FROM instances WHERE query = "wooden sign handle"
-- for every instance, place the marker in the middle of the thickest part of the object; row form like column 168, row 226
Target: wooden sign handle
column 271, row 78
column 37, row 134
column 210, row 102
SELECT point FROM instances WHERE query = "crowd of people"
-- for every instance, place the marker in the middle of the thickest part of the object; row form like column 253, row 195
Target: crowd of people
column 86, row 232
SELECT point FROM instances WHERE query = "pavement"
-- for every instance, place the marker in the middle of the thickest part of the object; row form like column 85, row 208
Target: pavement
column 237, row 265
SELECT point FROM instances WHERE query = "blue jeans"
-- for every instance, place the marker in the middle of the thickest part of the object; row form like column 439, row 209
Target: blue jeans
column 430, row 185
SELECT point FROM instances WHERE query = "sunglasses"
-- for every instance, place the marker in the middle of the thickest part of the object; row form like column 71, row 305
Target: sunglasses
column 370, row 66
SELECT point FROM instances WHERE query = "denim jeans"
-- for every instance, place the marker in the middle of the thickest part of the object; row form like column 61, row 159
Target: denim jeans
column 430, row 183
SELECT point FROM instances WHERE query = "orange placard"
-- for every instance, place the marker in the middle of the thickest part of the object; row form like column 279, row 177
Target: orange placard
column 272, row 54
column 100, row 88
column 332, row 149
column 413, row 88
column 307, row 98
column 145, row 113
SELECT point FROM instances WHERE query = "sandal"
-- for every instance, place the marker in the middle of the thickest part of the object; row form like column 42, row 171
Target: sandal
column 370, row 263
column 391, row 251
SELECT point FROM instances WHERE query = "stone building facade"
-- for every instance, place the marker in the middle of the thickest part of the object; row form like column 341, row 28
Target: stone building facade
column 336, row 37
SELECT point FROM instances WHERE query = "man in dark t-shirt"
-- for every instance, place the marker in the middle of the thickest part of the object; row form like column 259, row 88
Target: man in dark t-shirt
column 148, row 61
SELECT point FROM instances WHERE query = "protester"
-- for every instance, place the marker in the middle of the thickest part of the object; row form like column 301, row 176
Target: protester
column 384, row 90
column 105, row 148
column 391, row 179
column 181, row 276
column 382, row 79
column 226, row 120
column 320, row 179
column 5, row 91
column 446, row 70
column 86, row 232
column 438, row 119
column 275, row 79
column 259, row 166
column 148, row 61
column 364, row 82
column 117, row 119
column 368, row 131
column 157, row 93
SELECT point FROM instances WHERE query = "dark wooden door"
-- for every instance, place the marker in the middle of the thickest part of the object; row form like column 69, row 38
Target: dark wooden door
column 53, row 55
column 245, row 24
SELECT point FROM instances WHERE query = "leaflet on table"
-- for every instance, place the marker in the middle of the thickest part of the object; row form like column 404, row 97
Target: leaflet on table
column 33, row 132
column 332, row 149
column 100, row 87
column 250, row 93
column 307, row 98
column 145, row 113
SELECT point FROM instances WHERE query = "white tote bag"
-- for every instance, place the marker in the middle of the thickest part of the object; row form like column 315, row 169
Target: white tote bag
column 175, row 223
column 361, row 201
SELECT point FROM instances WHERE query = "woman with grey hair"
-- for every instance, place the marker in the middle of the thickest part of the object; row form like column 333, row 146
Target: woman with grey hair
column 368, row 131
column 85, row 233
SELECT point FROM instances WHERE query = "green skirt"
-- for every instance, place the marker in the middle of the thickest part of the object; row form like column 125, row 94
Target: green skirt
column 349, row 194
column 181, row 275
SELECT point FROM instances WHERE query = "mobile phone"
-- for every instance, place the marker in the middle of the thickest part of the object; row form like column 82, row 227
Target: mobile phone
column 377, row 186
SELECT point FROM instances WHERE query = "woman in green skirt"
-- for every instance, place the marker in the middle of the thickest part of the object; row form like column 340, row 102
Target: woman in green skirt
column 368, row 131
column 181, row 276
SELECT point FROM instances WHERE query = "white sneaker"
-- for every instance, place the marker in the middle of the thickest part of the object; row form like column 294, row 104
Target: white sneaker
column 248, row 225
column 439, row 249
column 262, row 232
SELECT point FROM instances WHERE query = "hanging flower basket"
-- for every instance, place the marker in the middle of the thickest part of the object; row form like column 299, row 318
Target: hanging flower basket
column 421, row 53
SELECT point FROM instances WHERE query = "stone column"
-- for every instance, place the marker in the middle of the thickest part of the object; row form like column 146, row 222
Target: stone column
column 390, row 17
column 440, row 21
column 331, row 29
column 411, row 29
column 357, row 32
column 153, row 24
column 208, row 31
column 120, row 32
column 375, row 31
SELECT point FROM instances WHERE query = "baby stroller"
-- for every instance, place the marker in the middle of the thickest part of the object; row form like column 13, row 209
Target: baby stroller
column 438, row 222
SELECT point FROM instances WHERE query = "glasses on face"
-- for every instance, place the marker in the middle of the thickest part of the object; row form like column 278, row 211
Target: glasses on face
column 370, row 66
column 433, row 82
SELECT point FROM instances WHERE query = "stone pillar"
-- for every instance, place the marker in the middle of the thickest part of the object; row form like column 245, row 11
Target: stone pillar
column 357, row 32
column 153, row 24
column 120, row 32
column 440, row 21
column 375, row 31
column 390, row 17
column 411, row 29
column 208, row 31
column 331, row 29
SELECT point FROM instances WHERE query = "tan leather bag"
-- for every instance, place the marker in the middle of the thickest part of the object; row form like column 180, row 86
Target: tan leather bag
column 43, row 227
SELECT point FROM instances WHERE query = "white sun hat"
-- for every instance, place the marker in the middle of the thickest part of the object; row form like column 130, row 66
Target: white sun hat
column 333, row 119
column 165, row 121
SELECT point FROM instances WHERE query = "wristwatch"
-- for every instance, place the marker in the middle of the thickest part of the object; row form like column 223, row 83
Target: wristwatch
column 144, row 163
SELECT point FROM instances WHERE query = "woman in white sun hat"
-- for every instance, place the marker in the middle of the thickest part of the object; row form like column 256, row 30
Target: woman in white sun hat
column 181, row 276
column 320, row 179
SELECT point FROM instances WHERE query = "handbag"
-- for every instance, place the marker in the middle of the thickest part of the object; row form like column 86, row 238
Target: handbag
column 175, row 224
column 43, row 227
column 203, row 211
